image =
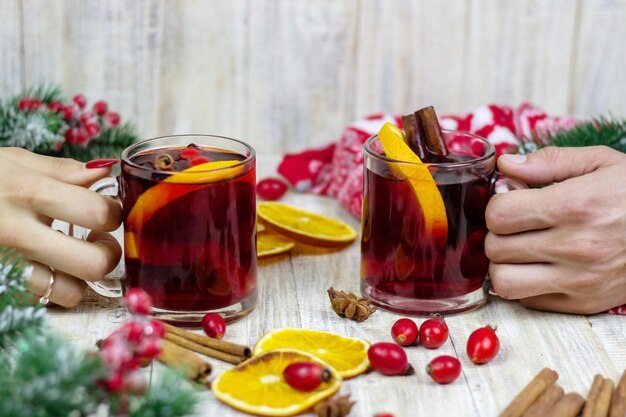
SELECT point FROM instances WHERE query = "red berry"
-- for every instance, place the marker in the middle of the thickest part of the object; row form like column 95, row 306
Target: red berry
column 389, row 359
column 82, row 138
column 155, row 328
column 271, row 189
column 138, row 301
column 71, row 135
column 149, row 348
column 198, row 160
column 306, row 376
column 55, row 106
column 433, row 332
column 80, row 101
column 483, row 345
column 100, row 107
column 68, row 112
column 86, row 118
column 92, row 129
column 214, row 325
column 115, row 382
column 131, row 365
column 189, row 152
column 404, row 331
column 444, row 369
column 134, row 332
column 24, row 104
column 35, row 104
column 384, row 415
column 112, row 118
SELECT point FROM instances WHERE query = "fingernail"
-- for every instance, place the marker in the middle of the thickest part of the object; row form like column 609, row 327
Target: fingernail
column 514, row 159
column 101, row 163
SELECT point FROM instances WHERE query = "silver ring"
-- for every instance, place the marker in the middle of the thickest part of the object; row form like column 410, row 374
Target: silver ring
column 45, row 298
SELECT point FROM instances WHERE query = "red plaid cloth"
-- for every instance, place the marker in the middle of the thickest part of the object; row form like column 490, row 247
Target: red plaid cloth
column 337, row 169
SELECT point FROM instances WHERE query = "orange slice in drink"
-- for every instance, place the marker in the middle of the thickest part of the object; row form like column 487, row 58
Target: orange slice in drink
column 268, row 244
column 257, row 386
column 348, row 355
column 168, row 190
column 304, row 226
column 420, row 179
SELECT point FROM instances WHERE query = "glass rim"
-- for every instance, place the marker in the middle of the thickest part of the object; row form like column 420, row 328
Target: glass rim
column 126, row 159
column 489, row 152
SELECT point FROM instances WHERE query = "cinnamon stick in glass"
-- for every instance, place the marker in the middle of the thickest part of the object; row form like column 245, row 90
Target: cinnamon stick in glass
column 544, row 379
column 430, row 131
column 414, row 139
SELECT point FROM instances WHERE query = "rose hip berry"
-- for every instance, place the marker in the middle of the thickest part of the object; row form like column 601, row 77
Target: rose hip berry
column 138, row 301
column 271, row 189
column 483, row 345
column 405, row 332
column 433, row 332
column 389, row 359
column 189, row 152
column 214, row 325
column 306, row 376
column 444, row 369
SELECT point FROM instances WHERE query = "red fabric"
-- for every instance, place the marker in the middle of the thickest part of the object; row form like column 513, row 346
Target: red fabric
column 337, row 169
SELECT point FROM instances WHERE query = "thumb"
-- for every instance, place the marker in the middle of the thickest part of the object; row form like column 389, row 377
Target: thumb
column 554, row 164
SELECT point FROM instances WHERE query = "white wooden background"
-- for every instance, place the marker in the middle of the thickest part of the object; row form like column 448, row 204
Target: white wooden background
column 285, row 74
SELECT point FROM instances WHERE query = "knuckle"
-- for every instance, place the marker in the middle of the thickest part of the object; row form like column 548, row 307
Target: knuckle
column 498, row 281
column 12, row 237
column 101, row 215
column 588, row 249
column 495, row 213
column 73, row 298
column 577, row 210
column 98, row 267
column 491, row 246
column 550, row 154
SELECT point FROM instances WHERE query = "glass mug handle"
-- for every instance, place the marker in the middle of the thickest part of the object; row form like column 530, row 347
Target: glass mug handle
column 502, row 184
column 111, row 285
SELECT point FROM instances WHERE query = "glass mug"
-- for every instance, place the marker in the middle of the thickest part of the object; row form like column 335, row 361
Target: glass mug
column 408, row 269
column 189, row 235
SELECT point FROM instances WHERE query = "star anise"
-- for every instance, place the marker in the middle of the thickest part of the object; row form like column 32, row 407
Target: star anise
column 350, row 306
column 338, row 406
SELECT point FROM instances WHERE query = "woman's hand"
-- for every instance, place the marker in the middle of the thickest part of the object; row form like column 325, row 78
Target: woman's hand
column 35, row 190
column 561, row 247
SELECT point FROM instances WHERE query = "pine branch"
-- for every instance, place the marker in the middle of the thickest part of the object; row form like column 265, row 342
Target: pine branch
column 167, row 399
column 110, row 144
column 43, row 92
column 600, row 131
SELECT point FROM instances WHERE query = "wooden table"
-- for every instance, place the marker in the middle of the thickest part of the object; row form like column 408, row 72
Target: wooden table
column 293, row 294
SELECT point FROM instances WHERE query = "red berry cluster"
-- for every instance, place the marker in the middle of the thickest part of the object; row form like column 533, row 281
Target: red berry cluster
column 84, row 124
column 137, row 341
column 390, row 359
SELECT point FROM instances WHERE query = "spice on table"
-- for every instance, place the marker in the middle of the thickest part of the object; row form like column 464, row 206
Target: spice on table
column 215, row 348
column 568, row 406
column 181, row 359
column 618, row 402
column 338, row 406
column 544, row 379
column 545, row 401
column 350, row 306
column 599, row 397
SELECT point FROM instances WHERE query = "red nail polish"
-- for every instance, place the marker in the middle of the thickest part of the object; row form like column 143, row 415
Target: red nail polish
column 101, row 163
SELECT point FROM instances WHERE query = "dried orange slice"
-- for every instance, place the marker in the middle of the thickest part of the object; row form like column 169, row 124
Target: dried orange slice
column 304, row 226
column 268, row 243
column 348, row 355
column 257, row 386
column 421, row 180
column 178, row 185
column 260, row 227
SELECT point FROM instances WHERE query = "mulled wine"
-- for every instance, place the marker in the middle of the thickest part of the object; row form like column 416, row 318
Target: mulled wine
column 407, row 268
column 190, row 227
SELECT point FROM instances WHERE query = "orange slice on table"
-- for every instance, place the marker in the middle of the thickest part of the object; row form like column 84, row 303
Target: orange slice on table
column 257, row 386
column 268, row 244
column 420, row 179
column 305, row 226
column 170, row 189
column 348, row 355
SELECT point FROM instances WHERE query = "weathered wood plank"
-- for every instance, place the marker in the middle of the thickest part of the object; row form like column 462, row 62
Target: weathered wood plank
column 519, row 51
column 599, row 80
column 11, row 44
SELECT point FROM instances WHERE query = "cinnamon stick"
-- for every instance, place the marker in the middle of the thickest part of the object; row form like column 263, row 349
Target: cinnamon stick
column 544, row 379
column 599, row 397
column 205, row 350
column 217, row 344
column 178, row 358
column 618, row 402
column 568, row 406
column 545, row 401
column 413, row 136
column 430, row 131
